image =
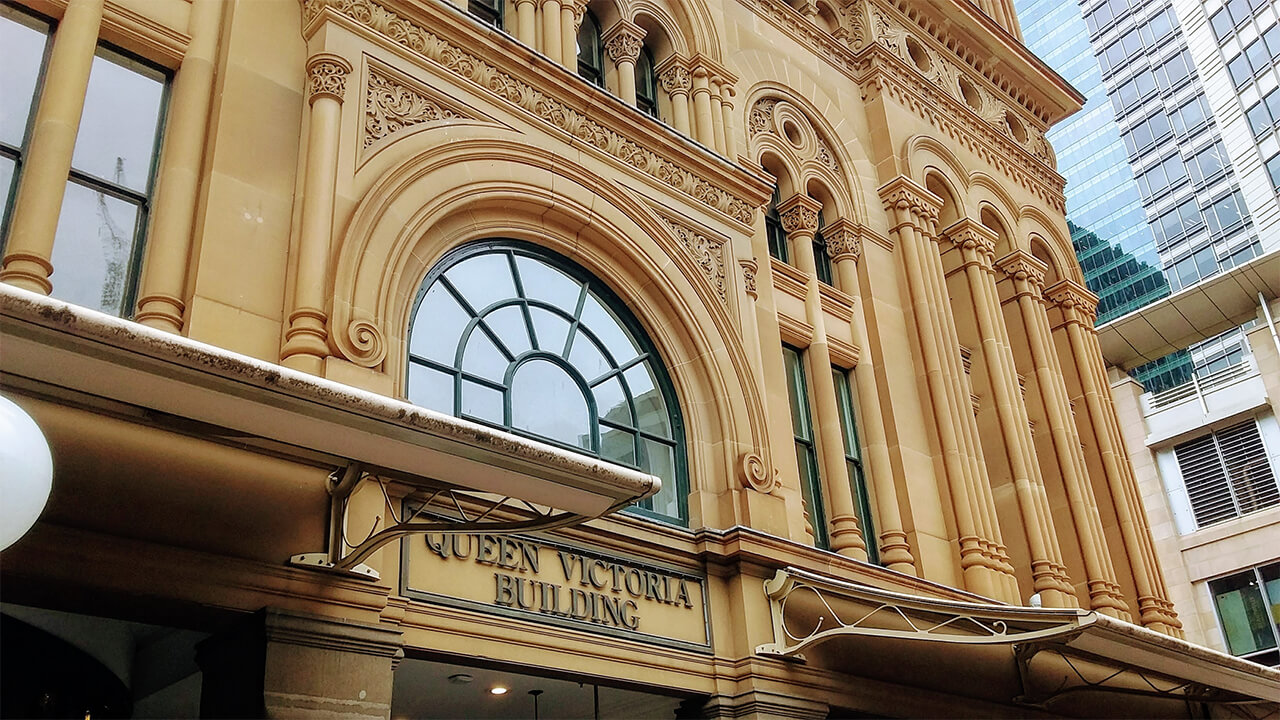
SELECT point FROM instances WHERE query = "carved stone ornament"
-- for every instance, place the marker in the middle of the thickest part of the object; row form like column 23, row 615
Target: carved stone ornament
column 492, row 79
column 1025, row 270
column 844, row 240
column 368, row 348
column 623, row 44
column 799, row 214
column 327, row 77
column 1074, row 299
column 761, row 118
column 754, row 474
column 708, row 253
column 977, row 243
column 749, row 269
column 390, row 106
column 676, row 80
column 903, row 194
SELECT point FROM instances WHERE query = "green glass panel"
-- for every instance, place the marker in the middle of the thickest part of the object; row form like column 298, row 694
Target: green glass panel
column 1243, row 612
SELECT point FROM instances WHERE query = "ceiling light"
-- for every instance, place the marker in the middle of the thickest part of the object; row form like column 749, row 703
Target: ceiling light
column 497, row 690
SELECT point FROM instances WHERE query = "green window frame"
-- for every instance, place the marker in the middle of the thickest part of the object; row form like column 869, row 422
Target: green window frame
column 646, row 83
column 24, row 79
column 590, row 51
column 511, row 335
column 1248, row 609
column 853, row 462
column 806, row 446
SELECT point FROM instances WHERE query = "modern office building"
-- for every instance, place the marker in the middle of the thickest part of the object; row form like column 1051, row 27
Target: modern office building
column 1178, row 137
column 654, row 358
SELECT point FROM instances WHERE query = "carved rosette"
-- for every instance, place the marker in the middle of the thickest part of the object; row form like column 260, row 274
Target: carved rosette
column 844, row 240
column 754, row 474
column 676, row 80
column 706, row 252
column 327, row 77
column 749, row 269
column 623, row 42
column 392, row 106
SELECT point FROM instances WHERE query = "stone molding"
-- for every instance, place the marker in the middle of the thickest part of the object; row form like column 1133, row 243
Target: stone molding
column 392, row 105
column 623, row 41
column 705, row 251
column 794, row 332
column 903, row 193
column 1077, row 303
column 514, row 91
column 327, row 77
column 754, row 473
column 327, row 633
column 766, row 118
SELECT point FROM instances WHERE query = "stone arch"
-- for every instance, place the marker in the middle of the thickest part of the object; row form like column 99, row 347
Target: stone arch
column 664, row 34
column 937, row 182
column 1035, row 222
column 990, row 217
column 403, row 225
column 783, row 124
column 1041, row 251
column 688, row 23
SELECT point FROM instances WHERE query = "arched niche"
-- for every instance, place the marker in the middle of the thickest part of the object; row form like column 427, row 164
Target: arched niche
column 936, row 183
column 444, row 195
column 992, row 220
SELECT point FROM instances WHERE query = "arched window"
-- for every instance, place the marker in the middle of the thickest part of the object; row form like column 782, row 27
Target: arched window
column 590, row 50
column 821, row 257
column 773, row 228
column 646, row 83
column 510, row 335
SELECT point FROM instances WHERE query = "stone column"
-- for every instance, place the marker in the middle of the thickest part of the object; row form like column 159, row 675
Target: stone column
column 527, row 22
column 1027, row 276
column 306, row 340
column 1078, row 307
column 976, row 245
column 702, row 107
column 571, row 13
column 730, row 127
column 717, row 112
column 161, row 298
column 800, row 219
column 844, row 243
column 278, row 663
column 676, row 80
column 912, row 213
column 552, row 46
column 622, row 43
column 45, row 169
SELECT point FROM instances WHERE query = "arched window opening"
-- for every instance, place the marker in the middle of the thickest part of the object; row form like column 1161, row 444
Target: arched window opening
column 646, row 83
column 510, row 335
column 777, row 235
column 590, row 50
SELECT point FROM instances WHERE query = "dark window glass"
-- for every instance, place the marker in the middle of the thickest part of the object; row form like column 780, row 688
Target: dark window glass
column 821, row 258
column 1273, row 169
column 25, row 41
column 777, row 236
column 853, row 462
column 590, row 51
column 806, row 451
column 646, row 84
column 1273, row 105
column 488, row 11
column 521, row 339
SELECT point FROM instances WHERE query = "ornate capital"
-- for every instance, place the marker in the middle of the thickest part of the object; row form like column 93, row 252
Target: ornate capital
column 1026, row 271
column 800, row 214
column 327, row 77
column 675, row 80
column 749, row 268
column 623, row 41
column 579, row 11
column 906, row 195
column 1076, row 302
column 977, row 242
column 844, row 240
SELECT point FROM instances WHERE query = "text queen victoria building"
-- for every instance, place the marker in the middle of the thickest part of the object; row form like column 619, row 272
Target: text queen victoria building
column 516, row 358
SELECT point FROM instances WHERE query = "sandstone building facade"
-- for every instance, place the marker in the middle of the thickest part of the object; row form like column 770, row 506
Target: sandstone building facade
column 728, row 358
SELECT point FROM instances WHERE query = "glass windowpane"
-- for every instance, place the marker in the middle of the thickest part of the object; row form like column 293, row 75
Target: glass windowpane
column 6, row 186
column 539, row 385
column 117, row 137
column 552, row 330
column 430, row 388
column 481, row 402
column 611, row 402
column 545, row 283
column 661, row 462
column 23, row 39
column 438, row 326
column 483, row 280
column 509, row 325
column 608, row 330
column 93, row 249
column 586, row 356
column 1243, row 613
column 618, row 446
column 483, row 358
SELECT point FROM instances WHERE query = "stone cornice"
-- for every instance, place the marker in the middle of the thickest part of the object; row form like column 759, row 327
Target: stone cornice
column 529, row 84
column 1026, row 271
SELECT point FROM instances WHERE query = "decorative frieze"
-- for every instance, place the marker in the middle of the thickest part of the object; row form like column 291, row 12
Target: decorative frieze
column 706, row 251
column 472, row 68
column 391, row 105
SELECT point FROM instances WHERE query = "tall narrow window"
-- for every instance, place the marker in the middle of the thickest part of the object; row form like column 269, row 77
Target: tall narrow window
column 488, row 11
column 25, row 40
column 646, row 84
column 515, row 337
column 806, row 450
column 97, row 251
column 853, row 463
column 821, row 258
column 590, row 51
column 777, row 235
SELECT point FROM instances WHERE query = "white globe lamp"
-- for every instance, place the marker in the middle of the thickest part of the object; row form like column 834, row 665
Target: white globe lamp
column 26, row 472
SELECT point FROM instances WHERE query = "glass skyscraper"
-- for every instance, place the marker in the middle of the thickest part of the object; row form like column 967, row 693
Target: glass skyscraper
column 1159, row 194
